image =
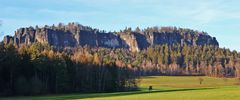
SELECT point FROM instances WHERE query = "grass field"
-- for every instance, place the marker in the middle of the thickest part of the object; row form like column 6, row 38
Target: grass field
column 164, row 88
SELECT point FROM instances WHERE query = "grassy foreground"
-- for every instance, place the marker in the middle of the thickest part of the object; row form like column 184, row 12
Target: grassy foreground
column 164, row 88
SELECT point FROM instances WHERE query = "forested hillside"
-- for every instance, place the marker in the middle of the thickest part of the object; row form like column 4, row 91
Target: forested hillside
column 76, row 58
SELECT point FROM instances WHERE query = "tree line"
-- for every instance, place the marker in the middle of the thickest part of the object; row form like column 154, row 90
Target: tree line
column 37, row 69
column 206, row 60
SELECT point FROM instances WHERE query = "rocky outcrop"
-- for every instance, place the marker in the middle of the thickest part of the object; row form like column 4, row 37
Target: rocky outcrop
column 7, row 39
column 74, row 35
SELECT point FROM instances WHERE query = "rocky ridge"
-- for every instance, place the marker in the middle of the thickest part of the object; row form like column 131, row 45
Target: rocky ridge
column 75, row 35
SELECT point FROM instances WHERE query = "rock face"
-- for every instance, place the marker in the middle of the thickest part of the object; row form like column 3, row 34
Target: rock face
column 74, row 35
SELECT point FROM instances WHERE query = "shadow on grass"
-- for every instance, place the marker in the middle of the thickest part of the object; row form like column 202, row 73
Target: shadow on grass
column 97, row 95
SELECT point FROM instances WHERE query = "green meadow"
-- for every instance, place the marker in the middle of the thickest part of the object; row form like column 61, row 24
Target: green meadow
column 164, row 88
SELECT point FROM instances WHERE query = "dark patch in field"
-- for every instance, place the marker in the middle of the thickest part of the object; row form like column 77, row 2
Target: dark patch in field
column 133, row 93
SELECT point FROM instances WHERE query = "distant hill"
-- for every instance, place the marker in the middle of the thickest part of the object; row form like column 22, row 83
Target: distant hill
column 149, row 51
column 74, row 35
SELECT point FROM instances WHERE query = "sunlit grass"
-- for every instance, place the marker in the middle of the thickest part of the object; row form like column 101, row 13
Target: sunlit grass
column 164, row 88
column 186, row 81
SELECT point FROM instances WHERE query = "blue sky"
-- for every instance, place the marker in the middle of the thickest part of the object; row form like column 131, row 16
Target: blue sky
column 220, row 18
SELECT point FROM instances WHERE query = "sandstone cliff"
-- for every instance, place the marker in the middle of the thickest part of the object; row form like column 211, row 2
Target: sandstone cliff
column 74, row 35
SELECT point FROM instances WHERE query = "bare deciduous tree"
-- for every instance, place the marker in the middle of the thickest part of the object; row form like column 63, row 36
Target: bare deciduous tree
column 200, row 80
